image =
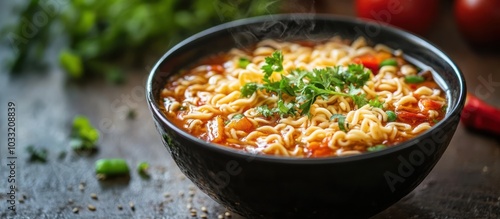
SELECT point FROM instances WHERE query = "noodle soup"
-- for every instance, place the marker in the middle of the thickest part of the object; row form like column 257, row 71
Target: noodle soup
column 305, row 99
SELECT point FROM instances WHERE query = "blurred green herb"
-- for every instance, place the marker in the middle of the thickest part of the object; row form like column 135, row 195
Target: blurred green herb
column 414, row 79
column 61, row 155
column 27, row 38
column 376, row 148
column 388, row 62
column 103, row 33
column 131, row 114
column 143, row 169
column 243, row 62
column 37, row 154
column 111, row 167
column 84, row 136
column 376, row 103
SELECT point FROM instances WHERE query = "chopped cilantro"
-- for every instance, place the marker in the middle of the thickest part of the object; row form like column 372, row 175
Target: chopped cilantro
column 265, row 111
column 376, row 103
column 376, row 148
column 248, row 89
column 357, row 96
column 131, row 114
column 83, row 136
column 143, row 169
column 37, row 154
column 341, row 121
column 274, row 63
column 238, row 116
column 61, row 155
column 307, row 86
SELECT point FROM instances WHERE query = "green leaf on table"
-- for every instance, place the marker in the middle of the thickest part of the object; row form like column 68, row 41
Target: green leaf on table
column 83, row 135
column 71, row 63
column 37, row 154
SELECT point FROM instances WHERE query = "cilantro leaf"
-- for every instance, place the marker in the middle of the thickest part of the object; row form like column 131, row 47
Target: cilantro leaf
column 376, row 148
column 248, row 89
column 357, row 75
column 341, row 121
column 238, row 116
column 357, row 96
column 84, row 135
column 274, row 63
column 286, row 108
column 37, row 154
column 375, row 103
column 265, row 111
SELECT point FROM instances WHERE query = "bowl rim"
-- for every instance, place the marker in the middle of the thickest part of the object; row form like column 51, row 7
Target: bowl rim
column 452, row 113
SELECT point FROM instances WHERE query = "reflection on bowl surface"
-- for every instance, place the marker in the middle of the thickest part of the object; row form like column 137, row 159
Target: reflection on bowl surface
column 257, row 185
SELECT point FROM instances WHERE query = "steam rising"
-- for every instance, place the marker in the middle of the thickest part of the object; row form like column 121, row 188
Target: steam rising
column 294, row 27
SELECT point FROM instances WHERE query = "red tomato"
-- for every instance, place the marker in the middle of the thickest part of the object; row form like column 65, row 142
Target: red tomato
column 369, row 61
column 216, row 68
column 413, row 15
column 411, row 118
column 478, row 20
column 428, row 104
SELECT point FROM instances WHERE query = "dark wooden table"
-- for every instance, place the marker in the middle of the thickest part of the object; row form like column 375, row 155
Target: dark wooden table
column 464, row 184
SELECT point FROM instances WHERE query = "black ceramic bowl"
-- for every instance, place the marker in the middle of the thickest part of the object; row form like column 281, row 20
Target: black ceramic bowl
column 260, row 186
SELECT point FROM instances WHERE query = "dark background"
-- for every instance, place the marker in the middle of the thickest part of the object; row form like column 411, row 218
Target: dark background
column 464, row 184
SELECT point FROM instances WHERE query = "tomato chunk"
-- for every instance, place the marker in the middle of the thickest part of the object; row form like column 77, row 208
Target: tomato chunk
column 428, row 104
column 369, row 61
column 216, row 68
column 411, row 118
column 215, row 130
column 243, row 124
column 318, row 149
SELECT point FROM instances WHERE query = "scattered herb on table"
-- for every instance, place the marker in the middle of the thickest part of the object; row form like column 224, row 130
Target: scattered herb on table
column 112, row 167
column 100, row 34
column 131, row 114
column 143, row 169
column 61, row 155
column 37, row 154
column 84, row 136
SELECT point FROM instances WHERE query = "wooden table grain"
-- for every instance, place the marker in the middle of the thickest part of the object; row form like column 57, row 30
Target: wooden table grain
column 464, row 184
